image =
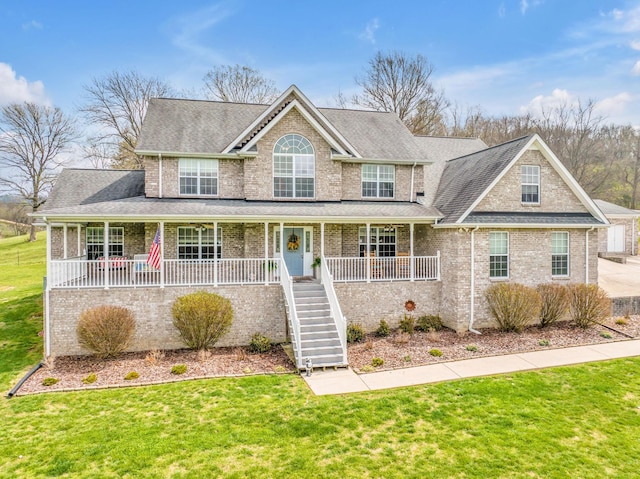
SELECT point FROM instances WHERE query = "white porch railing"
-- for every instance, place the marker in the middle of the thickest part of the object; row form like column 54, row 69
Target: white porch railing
column 294, row 322
column 385, row 268
column 120, row 272
column 334, row 305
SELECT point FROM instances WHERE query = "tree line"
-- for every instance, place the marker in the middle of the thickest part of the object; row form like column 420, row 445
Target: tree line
column 603, row 157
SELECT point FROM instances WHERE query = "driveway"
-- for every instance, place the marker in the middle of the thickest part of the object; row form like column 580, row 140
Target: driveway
column 620, row 280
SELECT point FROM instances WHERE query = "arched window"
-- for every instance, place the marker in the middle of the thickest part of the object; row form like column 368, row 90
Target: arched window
column 293, row 167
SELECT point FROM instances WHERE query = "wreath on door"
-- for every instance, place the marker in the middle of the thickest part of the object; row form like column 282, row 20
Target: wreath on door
column 293, row 243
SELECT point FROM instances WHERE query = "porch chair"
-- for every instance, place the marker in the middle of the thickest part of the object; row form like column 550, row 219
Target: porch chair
column 403, row 265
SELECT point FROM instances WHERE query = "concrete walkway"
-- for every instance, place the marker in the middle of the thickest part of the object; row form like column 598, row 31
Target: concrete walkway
column 345, row 381
column 620, row 280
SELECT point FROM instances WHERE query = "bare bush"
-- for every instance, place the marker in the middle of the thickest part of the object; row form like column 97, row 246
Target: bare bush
column 588, row 304
column 202, row 318
column 513, row 305
column 106, row 331
column 555, row 302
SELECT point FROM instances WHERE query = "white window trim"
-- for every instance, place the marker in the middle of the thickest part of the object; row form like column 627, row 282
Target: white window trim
column 567, row 254
column 293, row 170
column 377, row 181
column 508, row 255
column 375, row 231
column 199, row 162
column 522, row 183
column 199, row 243
column 111, row 242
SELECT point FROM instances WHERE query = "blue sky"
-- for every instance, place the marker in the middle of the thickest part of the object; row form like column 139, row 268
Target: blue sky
column 508, row 56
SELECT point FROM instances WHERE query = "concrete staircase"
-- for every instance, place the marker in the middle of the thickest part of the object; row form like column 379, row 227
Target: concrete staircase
column 318, row 333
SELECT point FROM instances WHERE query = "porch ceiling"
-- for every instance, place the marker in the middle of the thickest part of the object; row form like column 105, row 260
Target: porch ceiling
column 171, row 209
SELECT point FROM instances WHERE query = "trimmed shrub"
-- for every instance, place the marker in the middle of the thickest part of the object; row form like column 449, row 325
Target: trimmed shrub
column 407, row 324
column 555, row 302
column 131, row 375
column 606, row 335
column 588, row 304
column 179, row 369
column 259, row 343
column 429, row 322
column 621, row 321
column 90, row 379
column 383, row 330
column 202, row 318
column 435, row 353
column 472, row 348
column 106, row 331
column 376, row 362
column 401, row 338
column 544, row 342
column 49, row 381
column 355, row 333
column 513, row 305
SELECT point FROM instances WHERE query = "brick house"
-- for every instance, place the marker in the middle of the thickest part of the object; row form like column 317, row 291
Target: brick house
column 244, row 198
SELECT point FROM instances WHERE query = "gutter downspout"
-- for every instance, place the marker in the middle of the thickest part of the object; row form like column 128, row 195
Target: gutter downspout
column 160, row 176
column 413, row 169
column 473, row 282
column 586, row 254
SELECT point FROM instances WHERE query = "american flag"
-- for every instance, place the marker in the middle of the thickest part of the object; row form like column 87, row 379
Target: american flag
column 154, row 253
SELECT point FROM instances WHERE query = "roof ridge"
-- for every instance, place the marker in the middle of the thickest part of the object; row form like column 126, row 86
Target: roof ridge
column 449, row 137
column 202, row 100
column 76, row 168
column 492, row 147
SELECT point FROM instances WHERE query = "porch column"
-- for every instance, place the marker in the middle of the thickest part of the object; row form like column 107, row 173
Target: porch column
column 64, row 241
column 162, row 254
column 266, row 252
column 368, row 259
column 105, row 255
column 78, row 253
column 215, row 255
column 411, row 256
column 282, row 242
column 322, row 240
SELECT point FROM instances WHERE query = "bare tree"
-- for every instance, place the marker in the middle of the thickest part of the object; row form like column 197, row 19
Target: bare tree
column 398, row 83
column 116, row 104
column 31, row 140
column 239, row 84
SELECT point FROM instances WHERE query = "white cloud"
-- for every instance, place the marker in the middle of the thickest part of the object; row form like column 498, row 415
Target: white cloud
column 369, row 32
column 615, row 105
column 502, row 11
column 635, row 45
column 33, row 24
column 14, row 89
column 524, row 5
column 541, row 103
column 635, row 71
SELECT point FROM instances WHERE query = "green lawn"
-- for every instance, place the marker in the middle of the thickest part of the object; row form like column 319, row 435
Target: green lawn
column 574, row 422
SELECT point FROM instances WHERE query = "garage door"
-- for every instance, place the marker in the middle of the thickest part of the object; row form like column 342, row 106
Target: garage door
column 616, row 239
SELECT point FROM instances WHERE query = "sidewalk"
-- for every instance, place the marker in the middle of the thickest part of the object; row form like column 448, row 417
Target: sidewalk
column 345, row 381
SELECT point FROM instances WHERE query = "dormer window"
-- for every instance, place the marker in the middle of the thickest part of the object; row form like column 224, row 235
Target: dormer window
column 293, row 167
column 198, row 177
column 530, row 176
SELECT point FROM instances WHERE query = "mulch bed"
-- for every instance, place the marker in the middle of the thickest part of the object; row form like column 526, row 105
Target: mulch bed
column 155, row 367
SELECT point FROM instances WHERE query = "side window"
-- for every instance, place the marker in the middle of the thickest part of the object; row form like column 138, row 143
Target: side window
column 198, row 243
column 559, row 253
column 95, row 241
column 378, row 181
column 530, row 178
column 198, row 177
column 499, row 254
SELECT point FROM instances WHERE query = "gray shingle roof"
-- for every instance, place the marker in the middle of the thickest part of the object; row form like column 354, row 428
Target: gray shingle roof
column 577, row 219
column 196, row 126
column 464, row 179
column 615, row 210
column 444, row 148
column 76, row 186
column 140, row 207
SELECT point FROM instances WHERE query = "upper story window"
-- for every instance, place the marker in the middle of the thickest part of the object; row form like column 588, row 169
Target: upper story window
column 95, row 241
column 198, row 177
column 294, row 165
column 378, row 181
column 530, row 176
column 560, row 253
column 198, row 243
column 498, row 254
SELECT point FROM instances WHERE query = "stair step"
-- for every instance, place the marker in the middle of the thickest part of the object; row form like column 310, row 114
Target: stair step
column 315, row 320
column 321, row 351
column 319, row 335
column 316, row 328
column 323, row 342
column 312, row 307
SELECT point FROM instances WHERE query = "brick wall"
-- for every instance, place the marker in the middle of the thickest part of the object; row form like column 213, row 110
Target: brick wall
column 555, row 195
column 352, row 183
column 368, row 303
column 630, row 235
column 257, row 308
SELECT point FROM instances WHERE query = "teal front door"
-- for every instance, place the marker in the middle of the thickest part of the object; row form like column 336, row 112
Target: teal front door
column 294, row 250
